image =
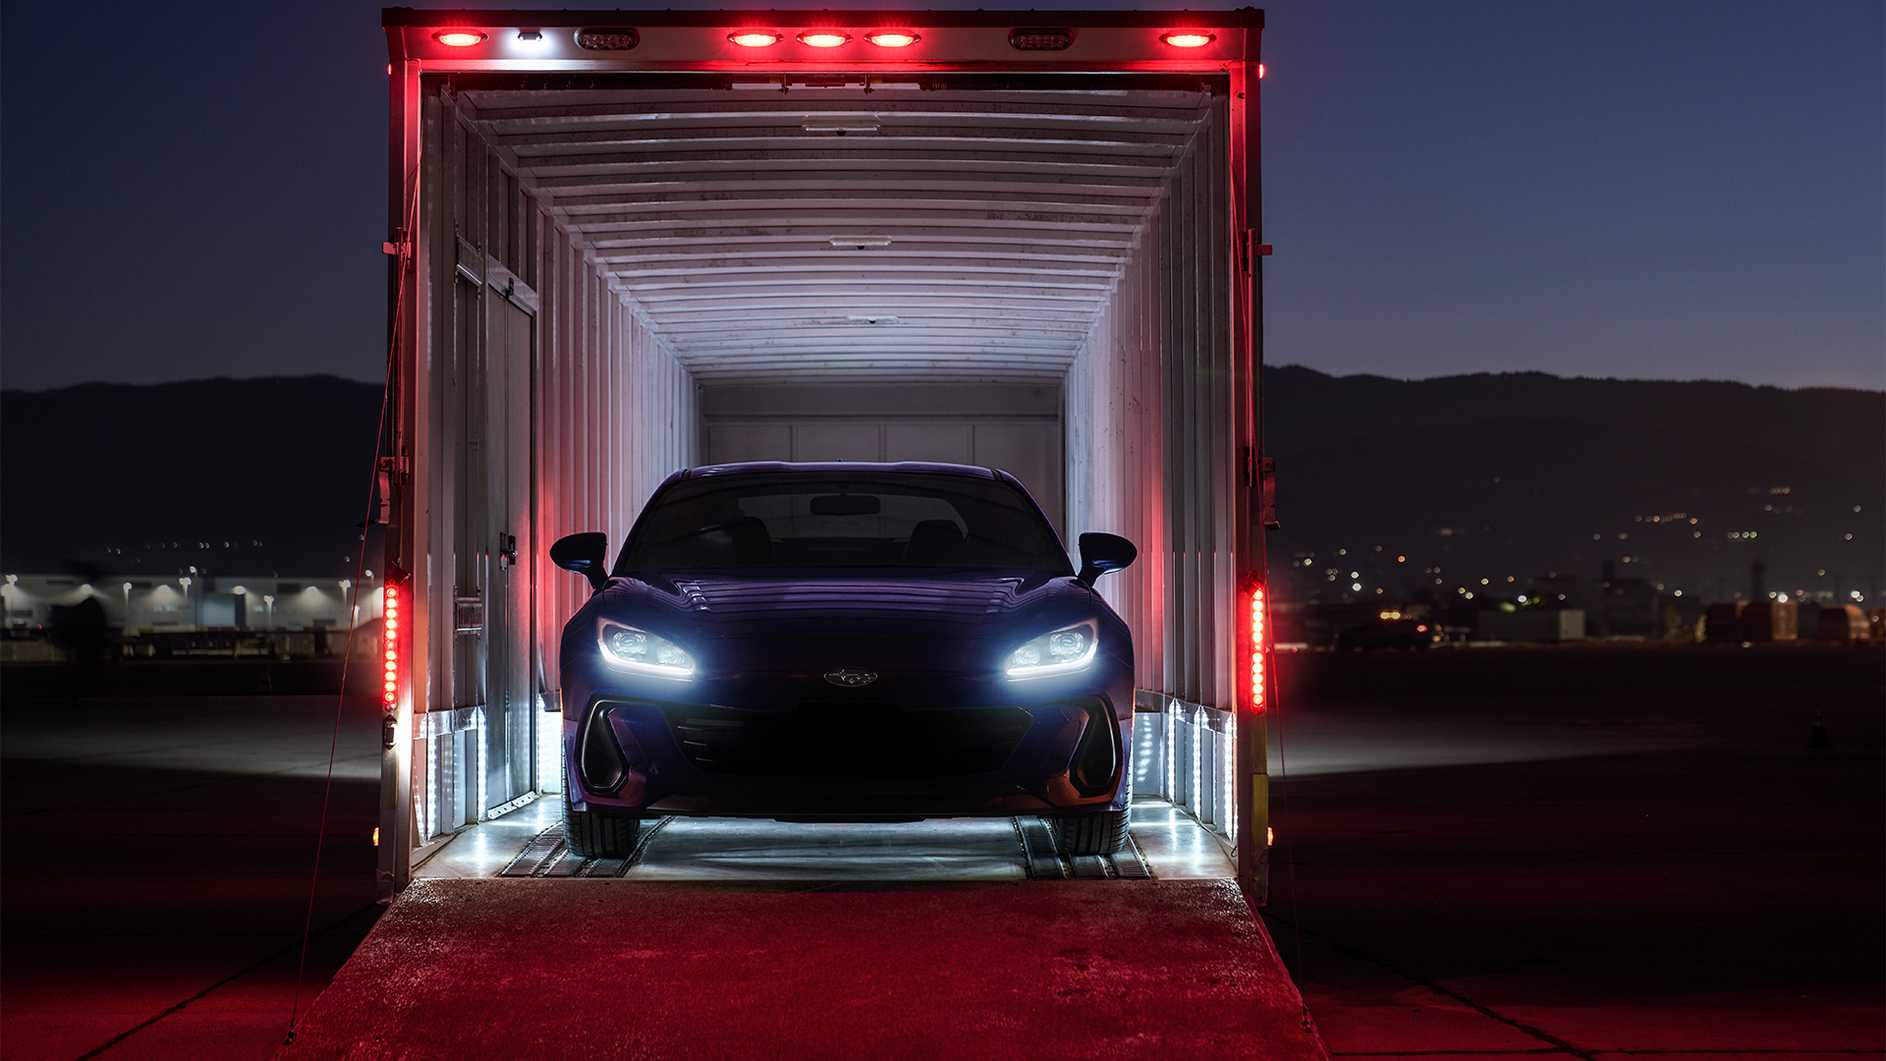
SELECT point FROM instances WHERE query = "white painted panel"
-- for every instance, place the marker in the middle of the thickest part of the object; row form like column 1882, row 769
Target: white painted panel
column 837, row 440
column 929, row 441
column 1030, row 451
column 730, row 443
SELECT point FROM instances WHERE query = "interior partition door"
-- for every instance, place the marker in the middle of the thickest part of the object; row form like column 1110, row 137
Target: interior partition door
column 511, row 345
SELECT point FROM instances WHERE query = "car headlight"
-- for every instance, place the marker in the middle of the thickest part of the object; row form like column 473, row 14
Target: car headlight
column 1070, row 648
column 638, row 650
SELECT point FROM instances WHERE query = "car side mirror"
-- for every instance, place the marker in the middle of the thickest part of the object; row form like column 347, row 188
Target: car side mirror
column 1101, row 553
column 586, row 554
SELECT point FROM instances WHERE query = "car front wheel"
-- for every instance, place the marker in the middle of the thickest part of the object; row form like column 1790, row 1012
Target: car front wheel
column 598, row 832
column 1103, row 833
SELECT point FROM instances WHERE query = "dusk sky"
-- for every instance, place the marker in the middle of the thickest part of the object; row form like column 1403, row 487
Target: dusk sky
column 1649, row 189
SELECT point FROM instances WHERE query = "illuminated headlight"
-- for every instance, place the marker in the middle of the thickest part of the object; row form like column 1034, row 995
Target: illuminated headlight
column 638, row 650
column 1070, row 648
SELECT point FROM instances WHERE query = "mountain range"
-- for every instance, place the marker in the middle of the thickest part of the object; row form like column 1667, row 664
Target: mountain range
column 1396, row 484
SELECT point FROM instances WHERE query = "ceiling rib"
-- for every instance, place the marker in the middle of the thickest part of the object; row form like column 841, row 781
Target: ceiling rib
column 892, row 234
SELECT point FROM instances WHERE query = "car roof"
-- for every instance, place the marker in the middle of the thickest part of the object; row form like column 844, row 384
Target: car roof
column 846, row 467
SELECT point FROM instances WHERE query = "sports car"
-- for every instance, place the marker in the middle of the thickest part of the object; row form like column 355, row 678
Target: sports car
column 844, row 642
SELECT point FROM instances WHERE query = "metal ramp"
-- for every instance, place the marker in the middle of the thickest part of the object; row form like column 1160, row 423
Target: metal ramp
column 697, row 849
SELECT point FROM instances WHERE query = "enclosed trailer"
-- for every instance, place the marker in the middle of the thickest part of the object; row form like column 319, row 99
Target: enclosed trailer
column 623, row 243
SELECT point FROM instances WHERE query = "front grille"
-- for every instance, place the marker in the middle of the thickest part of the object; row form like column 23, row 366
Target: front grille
column 849, row 740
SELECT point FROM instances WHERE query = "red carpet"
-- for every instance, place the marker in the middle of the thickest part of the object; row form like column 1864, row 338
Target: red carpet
column 614, row 968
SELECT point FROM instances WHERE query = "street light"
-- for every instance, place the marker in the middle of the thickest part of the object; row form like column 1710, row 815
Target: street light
column 268, row 601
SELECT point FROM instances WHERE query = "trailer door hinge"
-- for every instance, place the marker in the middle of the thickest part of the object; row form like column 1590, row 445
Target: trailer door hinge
column 1249, row 250
column 383, row 510
column 1267, row 493
column 399, row 248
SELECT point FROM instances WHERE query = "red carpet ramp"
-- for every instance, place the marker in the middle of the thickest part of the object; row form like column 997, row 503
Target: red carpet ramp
column 616, row 968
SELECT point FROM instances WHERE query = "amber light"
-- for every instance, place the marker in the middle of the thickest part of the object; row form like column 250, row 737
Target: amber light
column 1258, row 618
column 390, row 642
column 823, row 38
column 754, row 39
column 459, row 38
column 892, row 39
column 1188, row 38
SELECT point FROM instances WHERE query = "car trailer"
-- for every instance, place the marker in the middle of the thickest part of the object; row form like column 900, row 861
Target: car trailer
column 623, row 243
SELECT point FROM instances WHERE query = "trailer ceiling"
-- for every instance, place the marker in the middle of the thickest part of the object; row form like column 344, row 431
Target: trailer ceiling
column 904, row 228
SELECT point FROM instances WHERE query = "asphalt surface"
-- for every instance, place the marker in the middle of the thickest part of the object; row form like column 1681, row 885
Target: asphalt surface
column 1481, row 854
column 1585, row 852
column 156, row 856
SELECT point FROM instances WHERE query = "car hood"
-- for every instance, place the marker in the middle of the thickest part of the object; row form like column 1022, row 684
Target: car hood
column 815, row 621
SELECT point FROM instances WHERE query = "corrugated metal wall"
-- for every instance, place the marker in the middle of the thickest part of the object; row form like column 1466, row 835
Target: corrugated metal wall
column 1151, row 449
column 551, row 409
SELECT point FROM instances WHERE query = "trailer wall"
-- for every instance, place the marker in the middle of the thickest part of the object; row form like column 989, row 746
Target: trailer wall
column 554, row 409
column 1151, row 407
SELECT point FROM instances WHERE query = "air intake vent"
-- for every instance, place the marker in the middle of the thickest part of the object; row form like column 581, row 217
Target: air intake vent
column 1040, row 39
column 619, row 39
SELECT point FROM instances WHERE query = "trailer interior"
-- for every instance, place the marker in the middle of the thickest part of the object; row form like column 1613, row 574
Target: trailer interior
column 622, row 244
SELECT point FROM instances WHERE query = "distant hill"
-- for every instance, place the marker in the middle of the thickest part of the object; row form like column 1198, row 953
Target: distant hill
column 236, row 476
column 1481, row 476
column 1523, row 474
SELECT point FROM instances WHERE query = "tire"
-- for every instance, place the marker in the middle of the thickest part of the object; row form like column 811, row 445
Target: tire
column 1103, row 833
column 599, row 833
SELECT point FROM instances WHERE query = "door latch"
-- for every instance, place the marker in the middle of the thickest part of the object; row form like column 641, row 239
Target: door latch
column 507, row 549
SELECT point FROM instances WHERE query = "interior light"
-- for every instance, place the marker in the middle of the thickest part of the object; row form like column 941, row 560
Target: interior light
column 1188, row 38
column 459, row 38
column 823, row 38
column 892, row 39
column 754, row 38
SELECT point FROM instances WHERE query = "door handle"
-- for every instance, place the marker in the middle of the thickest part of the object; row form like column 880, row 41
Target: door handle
column 507, row 549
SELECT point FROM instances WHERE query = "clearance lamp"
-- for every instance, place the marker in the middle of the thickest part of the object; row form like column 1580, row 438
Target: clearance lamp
column 459, row 38
column 892, row 38
column 823, row 38
column 1188, row 38
column 754, row 38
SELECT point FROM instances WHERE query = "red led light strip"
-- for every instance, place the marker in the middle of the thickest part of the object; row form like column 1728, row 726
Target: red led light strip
column 1258, row 676
column 390, row 642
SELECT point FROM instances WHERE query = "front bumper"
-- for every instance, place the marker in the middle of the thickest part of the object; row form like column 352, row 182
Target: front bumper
column 812, row 752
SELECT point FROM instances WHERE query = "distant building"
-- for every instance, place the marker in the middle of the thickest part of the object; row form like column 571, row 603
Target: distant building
column 143, row 604
column 1535, row 626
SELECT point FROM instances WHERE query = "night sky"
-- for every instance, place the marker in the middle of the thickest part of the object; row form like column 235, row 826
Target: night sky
column 1663, row 189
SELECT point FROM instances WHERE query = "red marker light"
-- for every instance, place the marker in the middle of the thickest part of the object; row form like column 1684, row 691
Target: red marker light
column 1260, row 71
column 459, row 38
column 754, row 38
column 389, row 643
column 823, row 38
column 1258, row 691
column 892, row 39
column 1187, row 38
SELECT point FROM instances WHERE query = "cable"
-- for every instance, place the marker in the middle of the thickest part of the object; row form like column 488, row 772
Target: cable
column 360, row 566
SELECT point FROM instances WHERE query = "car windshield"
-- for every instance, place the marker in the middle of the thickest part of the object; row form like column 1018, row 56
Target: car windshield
column 760, row 522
